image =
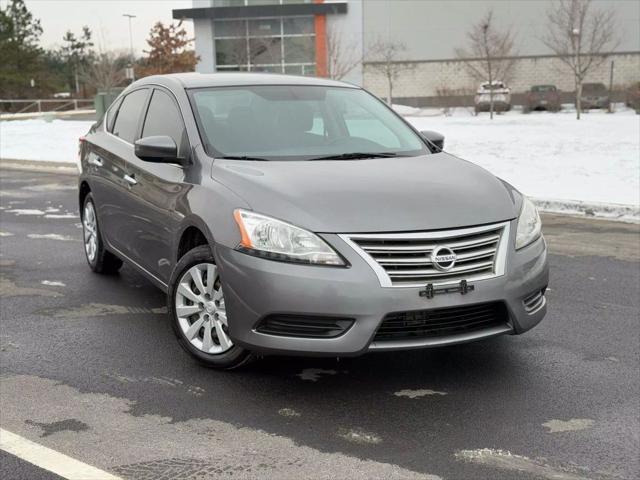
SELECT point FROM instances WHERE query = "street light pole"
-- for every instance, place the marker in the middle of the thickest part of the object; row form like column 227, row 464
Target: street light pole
column 130, row 72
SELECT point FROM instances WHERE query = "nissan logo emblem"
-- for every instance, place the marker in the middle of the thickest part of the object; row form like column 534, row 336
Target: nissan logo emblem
column 443, row 258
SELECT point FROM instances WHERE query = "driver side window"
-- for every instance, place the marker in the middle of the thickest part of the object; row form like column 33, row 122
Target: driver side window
column 164, row 118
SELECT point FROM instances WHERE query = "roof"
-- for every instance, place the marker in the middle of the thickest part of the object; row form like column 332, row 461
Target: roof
column 230, row 79
column 268, row 10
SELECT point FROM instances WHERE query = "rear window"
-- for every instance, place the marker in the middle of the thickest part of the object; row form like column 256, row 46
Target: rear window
column 128, row 117
column 543, row 88
column 594, row 87
column 110, row 117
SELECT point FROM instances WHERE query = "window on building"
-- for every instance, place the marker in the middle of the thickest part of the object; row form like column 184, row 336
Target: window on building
column 273, row 44
column 128, row 119
column 298, row 26
column 265, row 51
column 231, row 52
column 300, row 50
column 264, row 27
column 243, row 3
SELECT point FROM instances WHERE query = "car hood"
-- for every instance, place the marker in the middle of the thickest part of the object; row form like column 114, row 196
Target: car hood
column 429, row 192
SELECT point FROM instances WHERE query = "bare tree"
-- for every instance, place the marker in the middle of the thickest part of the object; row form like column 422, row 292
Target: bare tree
column 385, row 57
column 342, row 54
column 580, row 35
column 450, row 98
column 106, row 71
column 490, row 53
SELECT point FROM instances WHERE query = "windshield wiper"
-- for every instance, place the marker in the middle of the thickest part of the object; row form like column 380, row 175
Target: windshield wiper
column 358, row 155
column 244, row 157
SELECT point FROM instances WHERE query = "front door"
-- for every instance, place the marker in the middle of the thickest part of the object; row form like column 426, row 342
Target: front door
column 154, row 213
column 108, row 161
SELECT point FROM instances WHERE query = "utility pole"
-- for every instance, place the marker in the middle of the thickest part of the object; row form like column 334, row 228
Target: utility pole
column 130, row 74
column 611, row 89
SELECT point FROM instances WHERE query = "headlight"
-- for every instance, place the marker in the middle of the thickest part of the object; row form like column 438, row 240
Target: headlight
column 277, row 240
column 529, row 224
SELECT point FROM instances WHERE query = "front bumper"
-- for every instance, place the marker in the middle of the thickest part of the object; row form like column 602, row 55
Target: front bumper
column 255, row 287
column 588, row 103
column 544, row 105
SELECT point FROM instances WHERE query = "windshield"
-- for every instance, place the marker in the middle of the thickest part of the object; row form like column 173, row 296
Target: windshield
column 284, row 122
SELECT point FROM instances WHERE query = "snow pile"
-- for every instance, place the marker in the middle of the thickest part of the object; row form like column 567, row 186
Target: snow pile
column 552, row 156
column 406, row 110
column 42, row 140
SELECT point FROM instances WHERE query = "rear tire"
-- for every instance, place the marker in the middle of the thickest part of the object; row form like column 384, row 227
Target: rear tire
column 198, row 313
column 99, row 259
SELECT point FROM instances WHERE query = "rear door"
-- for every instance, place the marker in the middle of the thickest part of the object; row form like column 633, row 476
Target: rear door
column 154, row 210
column 112, row 191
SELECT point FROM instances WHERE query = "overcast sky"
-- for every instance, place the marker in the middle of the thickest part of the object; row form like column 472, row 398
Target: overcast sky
column 104, row 18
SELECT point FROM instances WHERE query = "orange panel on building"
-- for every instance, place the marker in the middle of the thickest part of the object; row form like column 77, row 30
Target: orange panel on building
column 321, row 43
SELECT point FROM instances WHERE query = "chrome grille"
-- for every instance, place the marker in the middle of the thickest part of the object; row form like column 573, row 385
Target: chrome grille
column 404, row 259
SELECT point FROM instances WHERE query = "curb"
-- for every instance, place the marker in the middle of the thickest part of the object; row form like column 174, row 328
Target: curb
column 576, row 208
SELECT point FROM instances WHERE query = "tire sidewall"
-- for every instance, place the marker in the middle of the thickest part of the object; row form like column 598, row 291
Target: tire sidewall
column 232, row 358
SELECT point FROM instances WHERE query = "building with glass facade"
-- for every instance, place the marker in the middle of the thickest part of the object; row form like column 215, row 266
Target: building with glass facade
column 283, row 36
column 308, row 37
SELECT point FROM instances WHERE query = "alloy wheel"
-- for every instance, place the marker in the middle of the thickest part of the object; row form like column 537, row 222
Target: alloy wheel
column 90, row 229
column 200, row 308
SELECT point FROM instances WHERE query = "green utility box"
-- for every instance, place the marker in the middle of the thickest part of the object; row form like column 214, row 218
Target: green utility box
column 102, row 100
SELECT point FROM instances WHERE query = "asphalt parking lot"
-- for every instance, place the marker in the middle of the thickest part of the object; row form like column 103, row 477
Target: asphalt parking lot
column 90, row 368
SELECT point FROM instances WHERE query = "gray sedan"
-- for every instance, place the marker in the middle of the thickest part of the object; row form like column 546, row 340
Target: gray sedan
column 295, row 215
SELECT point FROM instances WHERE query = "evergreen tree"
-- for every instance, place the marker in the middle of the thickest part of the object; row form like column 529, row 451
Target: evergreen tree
column 20, row 55
column 78, row 54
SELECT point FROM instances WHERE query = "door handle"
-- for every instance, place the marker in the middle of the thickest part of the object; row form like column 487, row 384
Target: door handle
column 130, row 179
column 97, row 161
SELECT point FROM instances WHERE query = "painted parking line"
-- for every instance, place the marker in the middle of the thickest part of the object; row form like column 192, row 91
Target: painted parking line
column 50, row 460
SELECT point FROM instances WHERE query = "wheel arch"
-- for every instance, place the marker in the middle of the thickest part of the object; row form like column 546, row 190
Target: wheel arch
column 83, row 191
column 193, row 233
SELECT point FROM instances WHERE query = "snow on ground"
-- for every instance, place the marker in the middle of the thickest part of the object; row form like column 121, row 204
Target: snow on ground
column 567, row 164
column 38, row 139
column 550, row 156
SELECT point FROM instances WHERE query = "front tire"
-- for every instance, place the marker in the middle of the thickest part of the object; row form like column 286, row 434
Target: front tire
column 198, row 314
column 99, row 259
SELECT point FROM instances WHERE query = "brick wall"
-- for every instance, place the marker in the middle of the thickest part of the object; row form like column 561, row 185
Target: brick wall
column 419, row 84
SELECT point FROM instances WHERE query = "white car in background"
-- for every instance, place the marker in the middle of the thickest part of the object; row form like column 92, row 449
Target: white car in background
column 501, row 97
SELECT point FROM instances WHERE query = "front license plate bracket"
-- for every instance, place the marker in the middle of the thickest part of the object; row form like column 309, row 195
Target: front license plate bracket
column 462, row 288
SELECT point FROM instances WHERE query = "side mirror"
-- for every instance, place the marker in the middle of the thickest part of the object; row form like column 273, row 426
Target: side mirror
column 159, row 149
column 436, row 139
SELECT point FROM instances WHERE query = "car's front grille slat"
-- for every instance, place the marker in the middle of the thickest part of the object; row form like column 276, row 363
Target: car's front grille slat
column 432, row 272
column 441, row 322
column 405, row 259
